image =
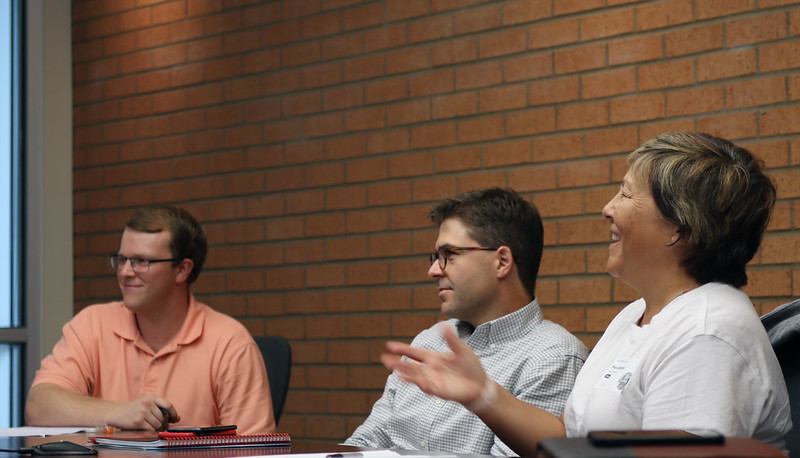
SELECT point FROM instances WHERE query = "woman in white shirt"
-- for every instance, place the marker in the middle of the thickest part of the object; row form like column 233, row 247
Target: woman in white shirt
column 691, row 353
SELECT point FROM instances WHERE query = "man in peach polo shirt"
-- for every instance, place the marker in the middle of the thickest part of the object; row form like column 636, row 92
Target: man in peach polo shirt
column 158, row 356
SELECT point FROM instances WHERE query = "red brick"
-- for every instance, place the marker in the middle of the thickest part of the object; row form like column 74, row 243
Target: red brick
column 169, row 101
column 387, row 141
column 582, row 58
column 385, row 37
column 186, row 75
column 530, row 122
column 396, row 10
column 410, row 165
column 755, row 92
column 611, row 141
column 477, row 19
column 607, row 24
column 362, row 17
column 608, row 83
column 261, row 61
column 226, row 67
column 363, row 68
column 390, row 193
column 779, row 121
column 412, row 112
column 304, row 152
column 695, row 100
column 345, row 147
column 105, row 68
column 207, row 94
column 450, row 106
column 187, row 121
column 481, row 180
column 430, row 28
column 663, row 14
column 101, row 27
column 549, row 91
column 372, row 220
column 479, row 75
column 756, row 30
column 779, row 56
column 407, row 60
column 301, row 54
column 345, row 198
column 302, row 103
column 353, row 247
column 560, row 146
column 386, row 90
column 637, row 108
column 465, row 158
column 527, row 67
column 582, row 115
column 364, row 119
column 430, row 135
column 223, row 22
column 342, row 46
column 454, row 52
column 662, row 75
column 186, row 30
column 279, row 34
column 574, row 6
column 343, row 97
column 717, row 8
column 555, row 33
column 366, row 170
column 135, row 19
column 430, row 83
column 480, row 129
column 152, row 37
column 727, row 65
column 636, row 49
column 520, row 11
column 503, row 43
column 508, row 153
column 320, row 25
column 119, row 44
column 169, row 12
column 299, row 9
column 694, row 40
column 203, row 7
column 368, row 274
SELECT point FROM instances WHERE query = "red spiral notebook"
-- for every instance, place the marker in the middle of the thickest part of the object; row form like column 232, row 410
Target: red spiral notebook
column 170, row 440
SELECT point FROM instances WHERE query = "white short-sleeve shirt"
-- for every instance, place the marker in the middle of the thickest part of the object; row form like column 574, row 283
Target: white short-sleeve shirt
column 704, row 361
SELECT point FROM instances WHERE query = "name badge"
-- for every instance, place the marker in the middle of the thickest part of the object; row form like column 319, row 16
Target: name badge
column 618, row 374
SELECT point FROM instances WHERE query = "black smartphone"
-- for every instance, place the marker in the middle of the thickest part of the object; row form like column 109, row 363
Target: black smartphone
column 202, row 430
column 655, row 437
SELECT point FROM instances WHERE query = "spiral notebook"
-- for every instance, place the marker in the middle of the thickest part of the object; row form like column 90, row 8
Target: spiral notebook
column 171, row 441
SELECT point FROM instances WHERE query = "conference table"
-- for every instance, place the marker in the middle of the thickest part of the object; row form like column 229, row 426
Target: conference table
column 296, row 447
column 558, row 448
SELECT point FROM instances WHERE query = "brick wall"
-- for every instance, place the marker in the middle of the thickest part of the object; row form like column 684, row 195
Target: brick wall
column 311, row 137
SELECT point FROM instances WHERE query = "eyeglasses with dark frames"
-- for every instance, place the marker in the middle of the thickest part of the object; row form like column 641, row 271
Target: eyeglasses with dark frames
column 138, row 265
column 445, row 252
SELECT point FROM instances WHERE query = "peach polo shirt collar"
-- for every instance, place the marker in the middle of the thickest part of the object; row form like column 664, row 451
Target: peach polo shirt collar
column 190, row 331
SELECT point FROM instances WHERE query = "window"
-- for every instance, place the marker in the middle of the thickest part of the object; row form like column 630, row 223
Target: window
column 12, row 320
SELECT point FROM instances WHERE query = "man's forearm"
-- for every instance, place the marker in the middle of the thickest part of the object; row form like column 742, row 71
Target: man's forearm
column 51, row 405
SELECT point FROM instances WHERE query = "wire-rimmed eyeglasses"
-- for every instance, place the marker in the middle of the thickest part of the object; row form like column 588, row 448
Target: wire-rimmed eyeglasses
column 445, row 252
column 139, row 265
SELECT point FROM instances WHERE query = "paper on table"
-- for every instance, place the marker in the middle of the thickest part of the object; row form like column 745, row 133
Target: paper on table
column 41, row 431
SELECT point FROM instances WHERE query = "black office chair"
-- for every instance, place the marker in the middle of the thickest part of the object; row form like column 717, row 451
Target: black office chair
column 277, row 355
column 783, row 328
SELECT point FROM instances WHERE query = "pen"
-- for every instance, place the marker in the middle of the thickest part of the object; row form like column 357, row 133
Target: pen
column 344, row 455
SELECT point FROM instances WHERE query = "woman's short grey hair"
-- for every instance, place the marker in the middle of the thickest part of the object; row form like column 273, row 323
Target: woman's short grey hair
column 717, row 195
